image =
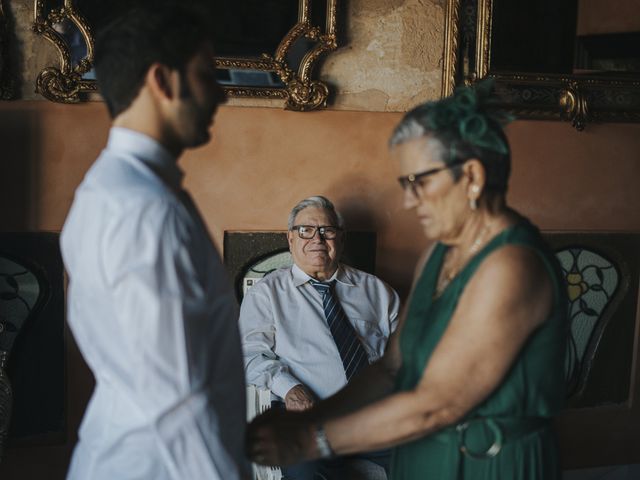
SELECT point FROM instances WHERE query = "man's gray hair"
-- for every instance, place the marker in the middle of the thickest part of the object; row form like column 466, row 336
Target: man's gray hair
column 317, row 201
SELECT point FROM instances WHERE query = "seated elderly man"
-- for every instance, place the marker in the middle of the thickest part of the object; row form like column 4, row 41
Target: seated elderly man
column 308, row 329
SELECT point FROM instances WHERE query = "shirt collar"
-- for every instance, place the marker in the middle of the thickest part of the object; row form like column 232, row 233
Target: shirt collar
column 148, row 151
column 341, row 275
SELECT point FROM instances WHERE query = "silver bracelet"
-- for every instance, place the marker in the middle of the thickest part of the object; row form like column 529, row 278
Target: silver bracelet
column 322, row 443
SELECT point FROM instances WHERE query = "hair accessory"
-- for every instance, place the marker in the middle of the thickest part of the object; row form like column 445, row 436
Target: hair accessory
column 469, row 114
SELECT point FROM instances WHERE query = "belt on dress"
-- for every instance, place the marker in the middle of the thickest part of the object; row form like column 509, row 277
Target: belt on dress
column 504, row 430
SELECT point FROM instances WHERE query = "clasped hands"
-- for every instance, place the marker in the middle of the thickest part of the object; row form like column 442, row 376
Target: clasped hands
column 284, row 437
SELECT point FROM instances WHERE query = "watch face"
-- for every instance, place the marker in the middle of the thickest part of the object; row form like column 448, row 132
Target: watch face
column 322, row 443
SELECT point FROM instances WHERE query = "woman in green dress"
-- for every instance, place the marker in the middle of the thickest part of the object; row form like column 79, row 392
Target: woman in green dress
column 473, row 376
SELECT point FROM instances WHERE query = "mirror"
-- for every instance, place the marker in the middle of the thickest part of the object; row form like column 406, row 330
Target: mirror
column 265, row 48
column 6, row 84
column 574, row 60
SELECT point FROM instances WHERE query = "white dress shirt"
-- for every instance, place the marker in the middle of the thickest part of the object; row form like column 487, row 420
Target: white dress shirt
column 150, row 306
column 285, row 336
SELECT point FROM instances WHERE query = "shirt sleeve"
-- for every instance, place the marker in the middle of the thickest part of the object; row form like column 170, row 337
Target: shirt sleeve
column 394, row 308
column 258, row 331
column 167, row 327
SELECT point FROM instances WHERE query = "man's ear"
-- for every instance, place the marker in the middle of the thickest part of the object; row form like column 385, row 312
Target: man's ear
column 290, row 239
column 160, row 81
column 342, row 237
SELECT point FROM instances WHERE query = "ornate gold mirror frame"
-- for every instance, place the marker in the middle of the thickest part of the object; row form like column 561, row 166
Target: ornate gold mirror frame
column 575, row 98
column 68, row 83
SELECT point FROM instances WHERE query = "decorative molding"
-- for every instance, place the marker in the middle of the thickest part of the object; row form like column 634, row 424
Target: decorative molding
column 578, row 99
column 264, row 63
column 483, row 42
column 451, row 29
column 256, row 92
column 573, row 105
column 301, row 91
column 64, row 84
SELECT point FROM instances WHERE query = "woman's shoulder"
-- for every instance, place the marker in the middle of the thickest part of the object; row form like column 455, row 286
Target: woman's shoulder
column 517, row 251
column 514, row 275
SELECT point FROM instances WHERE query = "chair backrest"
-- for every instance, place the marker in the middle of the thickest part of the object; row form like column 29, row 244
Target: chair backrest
column 592, row 285
column 22, row 290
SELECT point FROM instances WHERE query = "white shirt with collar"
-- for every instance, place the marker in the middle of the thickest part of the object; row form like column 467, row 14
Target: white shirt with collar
column 285, row 336
column 151, row 308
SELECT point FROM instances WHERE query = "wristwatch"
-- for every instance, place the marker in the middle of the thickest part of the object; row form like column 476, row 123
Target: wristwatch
column 322, row 443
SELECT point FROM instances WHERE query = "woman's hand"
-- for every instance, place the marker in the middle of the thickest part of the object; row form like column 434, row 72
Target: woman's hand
column 279, row 437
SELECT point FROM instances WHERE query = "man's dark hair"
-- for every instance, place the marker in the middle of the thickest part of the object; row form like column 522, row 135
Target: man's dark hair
column 139, row 36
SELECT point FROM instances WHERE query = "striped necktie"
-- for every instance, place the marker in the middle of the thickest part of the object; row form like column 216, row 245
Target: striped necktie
column 352, row 353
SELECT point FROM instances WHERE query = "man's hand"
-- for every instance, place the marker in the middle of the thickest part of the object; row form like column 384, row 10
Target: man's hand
column 299, row 399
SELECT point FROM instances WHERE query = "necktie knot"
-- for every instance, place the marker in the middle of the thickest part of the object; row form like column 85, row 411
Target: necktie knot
column 322, row 287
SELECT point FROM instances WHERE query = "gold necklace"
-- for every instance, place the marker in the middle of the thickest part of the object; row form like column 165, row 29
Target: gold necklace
column 446, row 278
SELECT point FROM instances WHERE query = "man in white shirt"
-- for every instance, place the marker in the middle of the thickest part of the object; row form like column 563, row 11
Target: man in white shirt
column 149, row 302
column 294, row 342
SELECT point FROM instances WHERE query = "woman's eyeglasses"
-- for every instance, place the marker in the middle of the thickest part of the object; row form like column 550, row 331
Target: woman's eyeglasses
column 307, row 232
column 414, row 180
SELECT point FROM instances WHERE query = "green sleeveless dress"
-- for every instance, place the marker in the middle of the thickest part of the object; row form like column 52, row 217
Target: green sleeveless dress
column 509, row 436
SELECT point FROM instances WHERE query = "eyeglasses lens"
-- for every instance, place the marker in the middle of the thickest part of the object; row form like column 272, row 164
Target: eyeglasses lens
column 308, row 232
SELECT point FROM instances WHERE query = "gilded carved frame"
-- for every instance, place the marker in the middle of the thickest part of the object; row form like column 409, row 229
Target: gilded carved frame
column 66, row 83
column 575, row 98
column 302, row 92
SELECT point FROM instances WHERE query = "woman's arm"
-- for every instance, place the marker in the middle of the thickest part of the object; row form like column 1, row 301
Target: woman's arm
column 507, row 299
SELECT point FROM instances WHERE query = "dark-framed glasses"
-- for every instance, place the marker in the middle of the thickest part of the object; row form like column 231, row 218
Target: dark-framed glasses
column 307, row 232
column 414, row 180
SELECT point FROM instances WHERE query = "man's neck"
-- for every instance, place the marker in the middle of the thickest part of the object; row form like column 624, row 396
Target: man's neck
column 141, row 121
column 322, row 275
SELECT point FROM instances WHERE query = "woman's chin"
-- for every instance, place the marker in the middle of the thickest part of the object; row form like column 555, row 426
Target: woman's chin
column 429, row 231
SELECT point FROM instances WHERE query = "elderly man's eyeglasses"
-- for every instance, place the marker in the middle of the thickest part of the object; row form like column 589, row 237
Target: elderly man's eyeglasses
column 413, row 180
column 307, row 232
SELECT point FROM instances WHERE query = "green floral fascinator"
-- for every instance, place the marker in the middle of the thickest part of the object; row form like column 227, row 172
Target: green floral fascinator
column 469, row 115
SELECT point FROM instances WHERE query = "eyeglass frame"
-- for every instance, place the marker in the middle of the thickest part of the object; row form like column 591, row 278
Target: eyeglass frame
column 413, row 179
column 317, row 229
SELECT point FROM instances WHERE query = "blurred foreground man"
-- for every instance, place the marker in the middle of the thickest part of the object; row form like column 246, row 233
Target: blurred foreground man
column 149, row 303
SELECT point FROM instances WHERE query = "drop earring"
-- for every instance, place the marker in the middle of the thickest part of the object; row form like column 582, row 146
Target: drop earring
column 473, row 201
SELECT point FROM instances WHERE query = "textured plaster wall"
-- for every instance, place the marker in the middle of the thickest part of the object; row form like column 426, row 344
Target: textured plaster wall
column 393, row 55
column 389, row 59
